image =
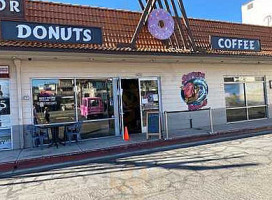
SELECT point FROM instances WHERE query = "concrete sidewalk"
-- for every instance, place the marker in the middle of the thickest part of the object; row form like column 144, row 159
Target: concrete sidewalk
column 27, row 158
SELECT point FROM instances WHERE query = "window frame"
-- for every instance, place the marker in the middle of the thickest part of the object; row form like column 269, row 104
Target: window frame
column 75, row 97
column 244, row 81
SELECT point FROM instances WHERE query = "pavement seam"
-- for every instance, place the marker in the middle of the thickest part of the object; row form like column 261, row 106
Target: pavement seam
column 17, row 160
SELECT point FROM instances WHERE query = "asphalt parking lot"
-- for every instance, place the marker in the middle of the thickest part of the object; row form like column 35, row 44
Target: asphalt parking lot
column 237, row 169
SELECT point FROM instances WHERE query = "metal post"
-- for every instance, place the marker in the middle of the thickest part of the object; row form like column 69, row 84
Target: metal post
column 76, row 100
column 177, row 18
column 141, row 4
column 143, row 19
column 211, row 120
column 187, row 25
column 175, row 35
column 166, row 126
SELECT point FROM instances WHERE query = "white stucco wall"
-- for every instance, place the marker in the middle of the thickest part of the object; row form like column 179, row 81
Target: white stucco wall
column 170, row 74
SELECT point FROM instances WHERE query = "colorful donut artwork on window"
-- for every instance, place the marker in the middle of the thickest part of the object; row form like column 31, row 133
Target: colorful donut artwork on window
column 194, row 90
column 161, row 24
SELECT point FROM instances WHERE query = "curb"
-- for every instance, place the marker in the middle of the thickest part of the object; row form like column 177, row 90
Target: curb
column 50, row 160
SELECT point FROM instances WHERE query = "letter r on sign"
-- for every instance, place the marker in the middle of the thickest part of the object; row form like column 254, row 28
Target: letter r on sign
column 14, row 6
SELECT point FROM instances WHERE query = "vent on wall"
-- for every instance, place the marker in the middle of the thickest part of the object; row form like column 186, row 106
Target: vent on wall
column 250, row 6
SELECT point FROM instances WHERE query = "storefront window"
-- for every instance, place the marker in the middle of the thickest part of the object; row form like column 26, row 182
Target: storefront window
column 53, row 101
column 235, row 95
column 236, row 115
column 255, row 94
column 257, row 112
column 149, row 97
column 245, row 98
column 97, row 129
column 94, row 99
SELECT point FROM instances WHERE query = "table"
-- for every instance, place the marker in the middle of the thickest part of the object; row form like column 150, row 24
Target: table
column 55, row 132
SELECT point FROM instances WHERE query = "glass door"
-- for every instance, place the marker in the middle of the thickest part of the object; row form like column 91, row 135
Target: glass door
column 149, row 98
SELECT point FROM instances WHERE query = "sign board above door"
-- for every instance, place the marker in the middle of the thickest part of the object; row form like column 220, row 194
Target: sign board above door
column 235, row 44
column 12, row 9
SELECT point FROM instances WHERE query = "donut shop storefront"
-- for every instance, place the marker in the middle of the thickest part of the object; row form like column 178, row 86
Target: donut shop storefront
column 65, row 63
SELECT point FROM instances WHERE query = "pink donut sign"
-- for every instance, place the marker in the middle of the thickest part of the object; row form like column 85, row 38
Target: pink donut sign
column 161, row 24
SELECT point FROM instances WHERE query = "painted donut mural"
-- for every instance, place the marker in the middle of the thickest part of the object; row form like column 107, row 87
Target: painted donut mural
column 161, row 24
column 194, row 90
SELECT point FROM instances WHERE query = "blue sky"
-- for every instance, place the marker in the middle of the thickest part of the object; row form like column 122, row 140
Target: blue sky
column 224, row 10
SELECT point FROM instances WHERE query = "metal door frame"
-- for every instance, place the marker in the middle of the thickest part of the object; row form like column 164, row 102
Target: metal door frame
column 120, row 100
column 159, row 96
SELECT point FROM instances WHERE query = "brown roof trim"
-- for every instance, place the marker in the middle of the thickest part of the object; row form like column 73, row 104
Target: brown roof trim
column 140, row 53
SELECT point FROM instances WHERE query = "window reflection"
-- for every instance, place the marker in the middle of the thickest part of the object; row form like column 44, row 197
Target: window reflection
column 149, row 97
column 95, row 99
column 248, row 94
column 235, row 95
column 234, row 115
column 257, row 112
column 255, row 94
column 53, row 101
column 97, row 129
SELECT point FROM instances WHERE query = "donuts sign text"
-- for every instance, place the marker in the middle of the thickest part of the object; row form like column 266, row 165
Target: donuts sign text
column 50, row 33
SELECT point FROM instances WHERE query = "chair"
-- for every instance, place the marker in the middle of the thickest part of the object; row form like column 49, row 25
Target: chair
column 38, row 135
column 73, row 130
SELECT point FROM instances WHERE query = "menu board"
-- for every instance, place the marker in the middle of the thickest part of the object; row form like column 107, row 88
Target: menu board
column 5, row 121
column 153, row 124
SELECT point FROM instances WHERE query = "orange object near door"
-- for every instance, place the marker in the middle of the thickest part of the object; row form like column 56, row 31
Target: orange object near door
column 126, row 135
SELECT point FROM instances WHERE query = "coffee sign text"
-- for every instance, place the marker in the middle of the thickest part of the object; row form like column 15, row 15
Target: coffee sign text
column 235, row 44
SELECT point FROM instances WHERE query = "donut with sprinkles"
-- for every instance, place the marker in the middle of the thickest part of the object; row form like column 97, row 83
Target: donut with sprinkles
column 161, row 24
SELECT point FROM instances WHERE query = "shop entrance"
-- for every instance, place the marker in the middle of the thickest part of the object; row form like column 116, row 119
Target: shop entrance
column 138, row 97
column 131, row 105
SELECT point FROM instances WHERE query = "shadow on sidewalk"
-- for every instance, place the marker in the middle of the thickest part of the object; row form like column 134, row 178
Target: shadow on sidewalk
column 189, row 162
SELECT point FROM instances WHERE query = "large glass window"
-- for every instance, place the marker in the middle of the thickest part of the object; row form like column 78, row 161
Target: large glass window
column 53, row 101
column 245, row 98
column 72, row 100
column 95, row 99
column 235, row 95
column 255, row 94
